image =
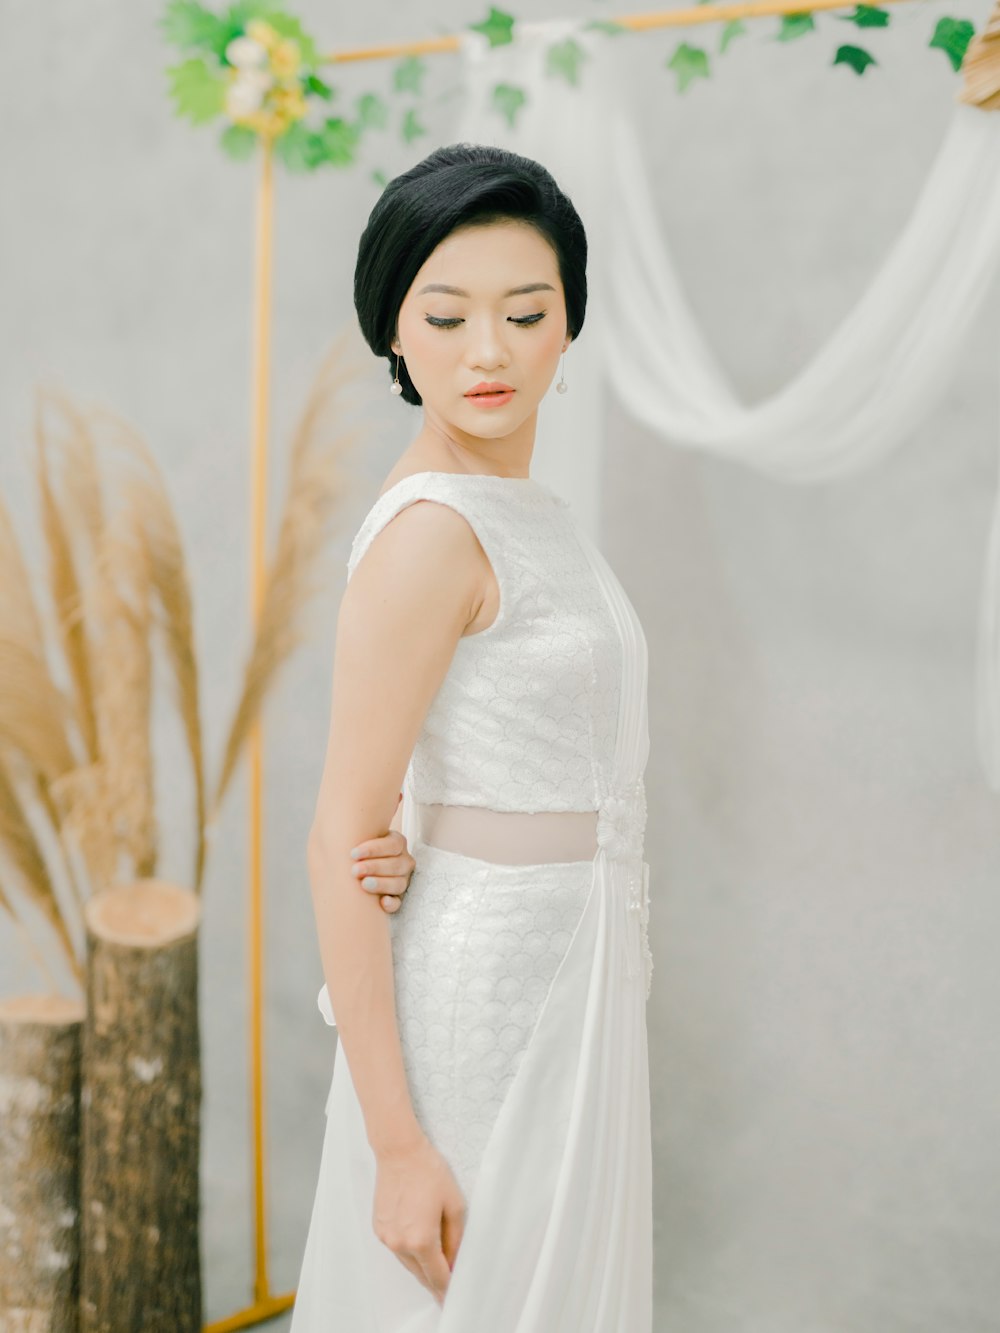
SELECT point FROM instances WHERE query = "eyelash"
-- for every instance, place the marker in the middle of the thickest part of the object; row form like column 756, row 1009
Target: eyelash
column 526, row 322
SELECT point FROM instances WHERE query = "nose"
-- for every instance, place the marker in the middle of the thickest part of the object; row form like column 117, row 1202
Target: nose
column 487, row 348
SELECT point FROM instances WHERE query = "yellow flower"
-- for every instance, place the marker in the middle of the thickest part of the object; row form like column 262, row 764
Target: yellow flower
column 289, row 102
column 263, row 33
column 285, row 58
column 265, row 123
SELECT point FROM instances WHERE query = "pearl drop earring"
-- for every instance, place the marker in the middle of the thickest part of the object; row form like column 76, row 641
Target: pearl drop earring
column 396, row 387
column 562, row 386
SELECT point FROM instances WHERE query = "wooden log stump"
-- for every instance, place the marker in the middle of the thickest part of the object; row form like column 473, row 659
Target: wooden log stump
column 40, row 1039
column 140, row 1263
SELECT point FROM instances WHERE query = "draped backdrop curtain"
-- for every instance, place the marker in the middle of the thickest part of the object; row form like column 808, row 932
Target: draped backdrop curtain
column 881, row 372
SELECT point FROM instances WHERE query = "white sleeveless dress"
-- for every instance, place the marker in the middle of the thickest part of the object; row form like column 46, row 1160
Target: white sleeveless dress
column 520, row 988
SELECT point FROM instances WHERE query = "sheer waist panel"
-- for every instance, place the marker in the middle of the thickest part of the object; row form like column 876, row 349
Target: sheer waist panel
column 512, row 837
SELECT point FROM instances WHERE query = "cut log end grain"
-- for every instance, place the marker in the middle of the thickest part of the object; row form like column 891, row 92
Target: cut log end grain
column 148, row 913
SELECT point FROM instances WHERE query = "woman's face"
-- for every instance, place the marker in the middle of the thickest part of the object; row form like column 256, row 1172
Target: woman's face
column 483, row 331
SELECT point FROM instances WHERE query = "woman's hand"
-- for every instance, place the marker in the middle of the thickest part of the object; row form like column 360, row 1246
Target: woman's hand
column 419, row 1212
column 388, row 864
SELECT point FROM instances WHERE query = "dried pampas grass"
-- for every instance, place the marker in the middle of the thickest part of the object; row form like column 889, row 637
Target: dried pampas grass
column 159, row 547
column 24, row 861
column 316, row 484
column 76, row 758
column 981, row 67
column 120, row 827
column 63, row 532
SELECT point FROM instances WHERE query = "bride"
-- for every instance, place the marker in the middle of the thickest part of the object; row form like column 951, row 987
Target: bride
column 486, row 1162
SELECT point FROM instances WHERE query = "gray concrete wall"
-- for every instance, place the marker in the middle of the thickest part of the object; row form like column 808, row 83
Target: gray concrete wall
column 824, row 849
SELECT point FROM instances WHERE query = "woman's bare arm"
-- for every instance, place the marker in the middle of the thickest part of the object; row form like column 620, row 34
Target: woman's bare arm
column 397, row 820
column 411, row 596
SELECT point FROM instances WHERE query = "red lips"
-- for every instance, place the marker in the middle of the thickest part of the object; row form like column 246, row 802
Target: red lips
column 494, row 386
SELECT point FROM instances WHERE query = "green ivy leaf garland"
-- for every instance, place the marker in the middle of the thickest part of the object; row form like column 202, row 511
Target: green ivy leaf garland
column 412, row 128
column 564, row 59
column 795, row 25
column 508, row 100
column 498, row 28
column 855, row 57
column 733, row 28
column 953, row 37
column 689, row 63
column 868, row 16
column 255, row 64
column 408, row 74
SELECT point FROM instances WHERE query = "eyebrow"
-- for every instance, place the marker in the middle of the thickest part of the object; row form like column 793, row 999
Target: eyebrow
column 514, row 291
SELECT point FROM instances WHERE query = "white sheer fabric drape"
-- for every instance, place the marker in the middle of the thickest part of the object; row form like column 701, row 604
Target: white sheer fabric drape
column 510, row 837
column 880, row 372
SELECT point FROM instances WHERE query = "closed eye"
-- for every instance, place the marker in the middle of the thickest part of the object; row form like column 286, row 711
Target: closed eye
column 527, row 320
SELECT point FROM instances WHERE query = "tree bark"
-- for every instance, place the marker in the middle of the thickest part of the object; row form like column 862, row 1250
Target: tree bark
column 39, row 1163
column 140, row 1264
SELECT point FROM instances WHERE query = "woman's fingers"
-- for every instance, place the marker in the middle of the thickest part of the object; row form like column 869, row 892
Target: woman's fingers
column 392, row 866
column 390, row 844
column 384, row 866
column 452, row 1229
column 389, row 885
column 417, row 1272
column 436, row 1270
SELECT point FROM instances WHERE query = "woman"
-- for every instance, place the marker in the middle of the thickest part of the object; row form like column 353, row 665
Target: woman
column 486, row 1164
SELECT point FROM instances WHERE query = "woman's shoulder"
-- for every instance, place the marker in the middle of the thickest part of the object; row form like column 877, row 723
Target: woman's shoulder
column 450, row 523
column 406, row 468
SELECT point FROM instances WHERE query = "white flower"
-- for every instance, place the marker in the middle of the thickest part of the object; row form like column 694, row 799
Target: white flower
column 245, row 53
column 245, row 94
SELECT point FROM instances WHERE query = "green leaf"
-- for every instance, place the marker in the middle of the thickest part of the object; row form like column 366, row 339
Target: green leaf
column 380, row 178
column 303, row 149
column 953, row 37
column 198, row 91
column 373, row 111
column 563, row 58
column 312, row 84
column 795, row 25
column 240, row 14
column 299, row 148
column 508, row 100
column 340, row 139
column 607, row 26
column 238, row 142
column 186, row 23
column 407, row 75
column 411, row 128
column 867, row 16
column 498, row 28
column 854, row 56
column 234, row 22
column 689, row 62
column 291, row 29
column 731, row 29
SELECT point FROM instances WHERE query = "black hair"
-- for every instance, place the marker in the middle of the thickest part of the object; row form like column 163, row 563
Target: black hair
column 456, row 186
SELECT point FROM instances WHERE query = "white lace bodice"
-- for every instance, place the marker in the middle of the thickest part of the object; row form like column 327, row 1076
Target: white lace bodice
column 526, row 716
